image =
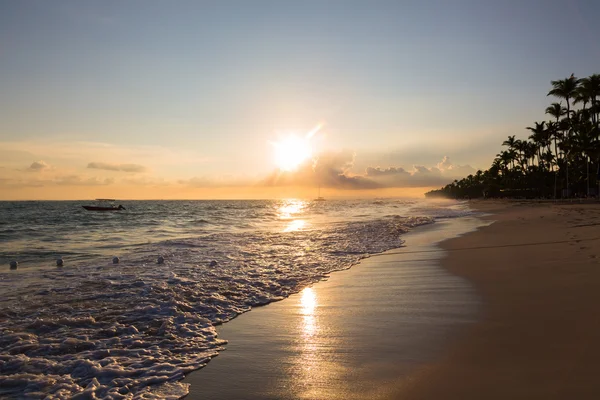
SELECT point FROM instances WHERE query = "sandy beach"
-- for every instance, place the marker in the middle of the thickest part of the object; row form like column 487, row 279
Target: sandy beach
column 525, row 326
column 537, row 270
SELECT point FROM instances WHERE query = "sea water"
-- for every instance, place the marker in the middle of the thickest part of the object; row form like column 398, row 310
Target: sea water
column 94, row 329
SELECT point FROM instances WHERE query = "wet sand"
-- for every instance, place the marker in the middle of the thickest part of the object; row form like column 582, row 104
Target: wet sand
column 352, row 336
column 539, row 336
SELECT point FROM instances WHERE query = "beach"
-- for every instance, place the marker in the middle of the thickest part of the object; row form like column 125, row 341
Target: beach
column 538, row 336
column 311, row 200
column 518, row 321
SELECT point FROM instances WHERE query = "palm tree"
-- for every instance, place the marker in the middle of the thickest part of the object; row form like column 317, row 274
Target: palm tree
column 510, row 142
column 506, row 158
column 586, row 144
column 551, row 128
column 590, row 87
column 512, row 156
column 521, row 147
column 496, row 166
column 531, row 150
column 556, row 110
column 538, row 137
column 511, row 153
column 567, row 146
column 576, row 150
column 565, row 89
column 582, row 95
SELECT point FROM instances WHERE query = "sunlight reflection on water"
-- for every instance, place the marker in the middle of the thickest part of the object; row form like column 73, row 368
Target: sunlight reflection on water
column 295, row 225
column 291, row 207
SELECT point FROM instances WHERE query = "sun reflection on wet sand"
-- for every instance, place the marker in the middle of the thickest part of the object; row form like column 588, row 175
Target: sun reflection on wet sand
column 309, row 303
column 313, row 371
column 310, row 358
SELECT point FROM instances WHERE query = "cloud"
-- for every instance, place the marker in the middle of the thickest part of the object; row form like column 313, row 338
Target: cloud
column 76, row 180
column 454, row 170
column 220, row 181
column 9, row 183
column 37, row 166
column 61, row 180
column 420, row 175
column 334, row 170
column 328, row 170
column 117, row 167
column 391, row 171
column 145, row 181
column 70, row 152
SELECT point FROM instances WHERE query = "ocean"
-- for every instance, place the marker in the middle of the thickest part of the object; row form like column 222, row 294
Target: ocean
column 134, row 329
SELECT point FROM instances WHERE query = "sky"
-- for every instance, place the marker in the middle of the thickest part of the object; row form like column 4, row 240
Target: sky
column 189, row 99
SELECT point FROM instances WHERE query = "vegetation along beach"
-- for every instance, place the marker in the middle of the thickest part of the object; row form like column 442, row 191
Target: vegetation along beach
column 560, row 159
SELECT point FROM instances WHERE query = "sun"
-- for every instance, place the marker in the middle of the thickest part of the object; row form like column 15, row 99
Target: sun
column 292, row 151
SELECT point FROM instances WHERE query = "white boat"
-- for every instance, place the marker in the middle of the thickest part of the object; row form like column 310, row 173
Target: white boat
column 319, row 198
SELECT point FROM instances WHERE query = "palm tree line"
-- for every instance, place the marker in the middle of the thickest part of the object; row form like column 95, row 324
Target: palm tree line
column 559, row 159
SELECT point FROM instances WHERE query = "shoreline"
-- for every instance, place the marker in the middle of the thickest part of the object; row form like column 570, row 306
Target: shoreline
column 538, row 335
column 356, row 320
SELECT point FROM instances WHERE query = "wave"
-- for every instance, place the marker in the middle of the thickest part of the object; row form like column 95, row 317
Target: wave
column 135, row 329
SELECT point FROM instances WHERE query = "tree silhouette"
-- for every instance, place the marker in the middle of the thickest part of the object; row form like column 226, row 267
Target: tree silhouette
column 559, row 153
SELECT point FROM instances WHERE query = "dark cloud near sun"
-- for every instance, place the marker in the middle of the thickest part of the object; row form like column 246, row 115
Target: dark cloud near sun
column 328, row 170
column 334, row 170
column 117, row 167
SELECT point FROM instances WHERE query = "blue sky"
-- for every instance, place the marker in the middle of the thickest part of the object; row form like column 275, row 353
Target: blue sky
column 399, row 83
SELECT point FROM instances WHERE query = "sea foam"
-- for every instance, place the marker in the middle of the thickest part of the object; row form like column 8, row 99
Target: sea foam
column 133, row 330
